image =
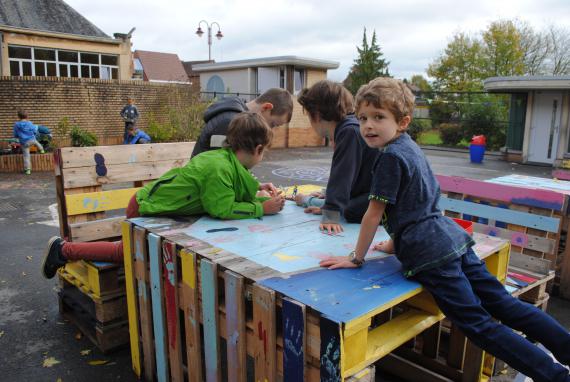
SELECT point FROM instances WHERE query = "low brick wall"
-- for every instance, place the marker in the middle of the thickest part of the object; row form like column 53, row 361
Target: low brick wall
column 15, row 162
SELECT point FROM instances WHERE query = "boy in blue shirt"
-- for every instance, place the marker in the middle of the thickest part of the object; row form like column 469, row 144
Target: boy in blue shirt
column 435, row 251
column 136, row 136
column 26, row 132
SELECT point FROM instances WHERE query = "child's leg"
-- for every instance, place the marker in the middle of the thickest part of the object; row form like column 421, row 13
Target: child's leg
column 519, row 315
column 110, row 251
column 37, row 144
column 455, row 297
column 26, row 154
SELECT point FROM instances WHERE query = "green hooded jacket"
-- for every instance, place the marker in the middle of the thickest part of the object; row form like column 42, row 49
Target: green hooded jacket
column 214, row 182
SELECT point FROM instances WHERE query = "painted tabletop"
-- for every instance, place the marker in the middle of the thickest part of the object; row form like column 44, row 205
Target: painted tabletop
column 561, row 186
column 290, row 246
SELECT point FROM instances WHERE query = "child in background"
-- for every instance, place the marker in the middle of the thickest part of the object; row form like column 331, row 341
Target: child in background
column 275, row 106
column 217, row 183
column 331, row 113
column 130, row 114
column 136, row 136
column 435, row 251
column 26, row 132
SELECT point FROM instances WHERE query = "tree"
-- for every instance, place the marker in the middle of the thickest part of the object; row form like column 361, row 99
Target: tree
column 459, row 68
column 367, row 66
column 502, row 51
column 559, row 54
column 535, row 47
column 420, row 82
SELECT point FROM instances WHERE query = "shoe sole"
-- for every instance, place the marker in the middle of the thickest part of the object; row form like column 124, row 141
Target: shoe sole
column 46, row 254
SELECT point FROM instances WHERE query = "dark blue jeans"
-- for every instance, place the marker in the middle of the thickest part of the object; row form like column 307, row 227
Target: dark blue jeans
column 471, row 297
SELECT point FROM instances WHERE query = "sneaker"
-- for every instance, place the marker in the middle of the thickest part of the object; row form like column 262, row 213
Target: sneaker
column 53, row 258
column 27, row 171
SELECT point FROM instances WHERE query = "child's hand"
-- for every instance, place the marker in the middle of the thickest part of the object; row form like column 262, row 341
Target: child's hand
column 313, row 210
column 337, row 262
column 386, row 246
column 317, row 194
column 331, row 228
column 273, row 205
column 262, row 194
column 270, row 188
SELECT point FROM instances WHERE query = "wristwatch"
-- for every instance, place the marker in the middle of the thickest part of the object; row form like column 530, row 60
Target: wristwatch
column 354, row 260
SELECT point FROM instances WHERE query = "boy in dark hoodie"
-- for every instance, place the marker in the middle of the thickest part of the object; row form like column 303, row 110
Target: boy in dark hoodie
column 26, row 132
column 330, row 107
column 275, row 106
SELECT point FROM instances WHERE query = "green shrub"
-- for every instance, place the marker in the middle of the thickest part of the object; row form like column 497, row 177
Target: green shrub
column 486, row 118
column 158, row 131
column 82, row 138
column 417, row 127
column 451, row 133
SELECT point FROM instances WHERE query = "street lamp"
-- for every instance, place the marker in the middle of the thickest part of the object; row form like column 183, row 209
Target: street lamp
column 200, row 32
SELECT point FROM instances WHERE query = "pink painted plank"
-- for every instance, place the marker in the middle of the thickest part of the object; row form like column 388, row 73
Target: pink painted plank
column 511, row 194
column 561, row 174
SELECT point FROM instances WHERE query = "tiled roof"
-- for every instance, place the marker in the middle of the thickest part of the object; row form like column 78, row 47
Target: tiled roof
column 46, row 15
column 161, row 66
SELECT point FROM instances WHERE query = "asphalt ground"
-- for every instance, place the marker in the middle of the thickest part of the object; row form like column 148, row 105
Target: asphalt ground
column 33, row 334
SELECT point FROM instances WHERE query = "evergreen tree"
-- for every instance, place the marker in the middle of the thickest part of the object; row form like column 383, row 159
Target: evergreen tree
column 369, row 64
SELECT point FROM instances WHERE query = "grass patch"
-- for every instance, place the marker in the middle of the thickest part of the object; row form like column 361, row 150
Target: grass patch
column 430, row 137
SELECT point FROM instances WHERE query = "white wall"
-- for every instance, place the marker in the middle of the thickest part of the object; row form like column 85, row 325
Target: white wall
column 235, row 81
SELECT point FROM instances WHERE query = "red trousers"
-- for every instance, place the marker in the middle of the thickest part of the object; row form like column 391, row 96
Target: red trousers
column 108, row 251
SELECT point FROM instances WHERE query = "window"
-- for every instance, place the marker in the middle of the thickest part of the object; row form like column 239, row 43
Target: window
column 282, row 78
column 299, row 80
column 28, row 61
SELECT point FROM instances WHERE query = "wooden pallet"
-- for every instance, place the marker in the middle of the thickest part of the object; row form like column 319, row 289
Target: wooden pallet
column 97, row 280
column 187, row 298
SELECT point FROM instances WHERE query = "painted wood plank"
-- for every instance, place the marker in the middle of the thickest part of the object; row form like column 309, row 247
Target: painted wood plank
column 235, row 326
column 264, row 333
column 530, row 263
column 514, row 217
column 119, row 173
column 502, row 192
column 294, row 340
column 431, row 339
column 99, row 201
column 72, row 157
column 331, row 353
column 520, row 239
column 158, row 318
column 170, row 279
column 457, row 343
column 132, row 308
column 533, row 182
column 209, row 284
column 96, row 230
column 145, row 306
column 190, row 302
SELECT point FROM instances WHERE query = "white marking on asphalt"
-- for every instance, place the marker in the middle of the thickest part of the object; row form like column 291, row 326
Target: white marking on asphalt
column 54, row 222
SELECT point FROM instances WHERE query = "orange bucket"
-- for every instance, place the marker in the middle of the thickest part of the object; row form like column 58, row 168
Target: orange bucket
column 465, row 224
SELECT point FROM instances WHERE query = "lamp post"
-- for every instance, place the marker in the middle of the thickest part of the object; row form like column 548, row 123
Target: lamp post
column 200, row 32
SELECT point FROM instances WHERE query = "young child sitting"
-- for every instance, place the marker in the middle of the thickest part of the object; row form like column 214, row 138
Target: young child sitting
column 274, row 105
column 136, row 136
column 331, row 113
column 435, row 251
column 26, row 132
column 217, row 183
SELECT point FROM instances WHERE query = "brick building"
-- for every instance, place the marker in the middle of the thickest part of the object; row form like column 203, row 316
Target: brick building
column 248, row 78
column 48, row 38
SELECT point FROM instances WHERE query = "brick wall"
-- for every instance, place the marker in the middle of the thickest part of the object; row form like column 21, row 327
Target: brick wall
column 90, row 103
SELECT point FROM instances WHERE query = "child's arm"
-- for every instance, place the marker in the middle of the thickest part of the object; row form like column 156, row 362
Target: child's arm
column 368, row 228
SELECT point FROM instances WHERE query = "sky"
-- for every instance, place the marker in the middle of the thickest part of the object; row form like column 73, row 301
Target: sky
column 411, row 34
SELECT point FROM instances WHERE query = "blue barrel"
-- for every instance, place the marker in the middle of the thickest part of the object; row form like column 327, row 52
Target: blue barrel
column 476, row 152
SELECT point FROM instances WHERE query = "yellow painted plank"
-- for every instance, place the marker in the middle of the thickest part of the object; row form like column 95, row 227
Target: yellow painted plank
column 131, row 299
column 88, row 202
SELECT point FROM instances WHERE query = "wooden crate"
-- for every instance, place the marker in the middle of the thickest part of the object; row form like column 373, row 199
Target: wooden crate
column 188, row 297
column 94, row 185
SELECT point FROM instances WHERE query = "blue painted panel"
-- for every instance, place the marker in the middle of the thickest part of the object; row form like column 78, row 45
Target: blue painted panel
column 346, row 294
column 330, row 351
column 155, row 259
column 293, row 341
column 209, row 313
column 544, row 223
column 287, row 242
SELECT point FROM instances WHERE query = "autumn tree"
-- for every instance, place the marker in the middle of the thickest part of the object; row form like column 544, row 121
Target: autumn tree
column 502, row 53
column 369, row 64
column 420, row 82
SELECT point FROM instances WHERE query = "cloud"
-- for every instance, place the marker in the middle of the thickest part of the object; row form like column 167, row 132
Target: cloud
column 411, row 34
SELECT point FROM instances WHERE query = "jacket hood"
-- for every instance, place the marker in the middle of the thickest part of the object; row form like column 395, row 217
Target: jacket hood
column 232, row 104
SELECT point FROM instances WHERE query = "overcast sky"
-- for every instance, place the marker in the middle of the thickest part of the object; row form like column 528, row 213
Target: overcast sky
column 411, row 33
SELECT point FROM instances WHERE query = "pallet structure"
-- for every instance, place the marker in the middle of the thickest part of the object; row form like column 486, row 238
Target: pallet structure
column 94, row 186
column 245, row 300
column 531, row 219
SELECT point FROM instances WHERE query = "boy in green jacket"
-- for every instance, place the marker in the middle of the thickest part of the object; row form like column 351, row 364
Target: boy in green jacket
column 217, row 183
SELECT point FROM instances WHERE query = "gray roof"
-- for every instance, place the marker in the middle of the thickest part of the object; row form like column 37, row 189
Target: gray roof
column 523, row 83
column 46, row 15
column 267, row 61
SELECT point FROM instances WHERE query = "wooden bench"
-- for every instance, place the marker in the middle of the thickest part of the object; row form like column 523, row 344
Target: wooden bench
column 94, row 186
column 530, row 219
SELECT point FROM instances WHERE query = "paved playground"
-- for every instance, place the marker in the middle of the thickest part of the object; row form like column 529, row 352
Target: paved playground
column 36, row 344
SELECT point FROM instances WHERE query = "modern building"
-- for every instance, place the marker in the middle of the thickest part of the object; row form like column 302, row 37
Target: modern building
column 160, row 67
column 539, row 128
column 48, row 38
column 192, row 75
column 248, row 78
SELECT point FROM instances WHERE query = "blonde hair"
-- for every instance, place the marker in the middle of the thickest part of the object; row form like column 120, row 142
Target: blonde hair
column 387, row 93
